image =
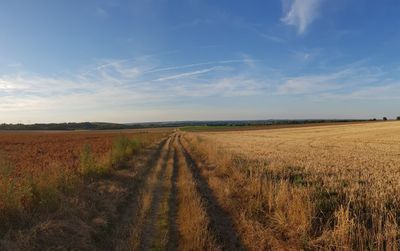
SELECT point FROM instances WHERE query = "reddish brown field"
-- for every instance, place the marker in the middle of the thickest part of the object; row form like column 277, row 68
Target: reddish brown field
column 52, row 181
column 34, row 165
column 39, row 150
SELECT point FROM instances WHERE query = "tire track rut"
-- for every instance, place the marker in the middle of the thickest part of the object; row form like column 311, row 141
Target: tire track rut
column 173, row 232
column 220, row 221
column 129, row 213
column 152, row 234
column 156, row 225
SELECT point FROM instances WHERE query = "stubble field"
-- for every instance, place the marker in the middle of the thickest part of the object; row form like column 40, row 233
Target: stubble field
column 330, row 187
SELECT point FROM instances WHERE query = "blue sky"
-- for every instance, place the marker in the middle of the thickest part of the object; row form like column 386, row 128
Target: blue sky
column 161, row 60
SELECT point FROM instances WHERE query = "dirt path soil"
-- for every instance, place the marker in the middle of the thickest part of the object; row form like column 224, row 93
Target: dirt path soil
column 155, row 231
column 150, row 220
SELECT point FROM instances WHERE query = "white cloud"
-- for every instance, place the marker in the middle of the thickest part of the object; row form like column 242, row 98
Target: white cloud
column 118, row 88
column 300, row 13
column 187, row 74
column 313, row 83
column 348, row 79
column 125, row 86
column 180, row 67
column 307, row 85
column 389, row 91
column 227, row 87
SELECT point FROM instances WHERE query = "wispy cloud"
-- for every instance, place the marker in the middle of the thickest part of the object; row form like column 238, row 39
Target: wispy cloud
column 15, row 65
column 186, row 66
column 120, row 83
column 390, row 91
column 187, row 74
column 309, row 84
column 130, row 86
column 192, row 23
column 300, row 13
column 350, row 78
column 101, row 12
column 227, row 87
column 272, row 38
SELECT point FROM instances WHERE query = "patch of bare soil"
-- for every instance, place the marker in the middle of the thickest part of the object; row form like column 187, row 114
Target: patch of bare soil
column 154, row 234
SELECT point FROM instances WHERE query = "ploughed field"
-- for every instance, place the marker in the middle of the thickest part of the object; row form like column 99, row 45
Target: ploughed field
column 308, row 188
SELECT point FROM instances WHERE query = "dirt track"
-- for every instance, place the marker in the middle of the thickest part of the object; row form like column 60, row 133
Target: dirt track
column 154, row 218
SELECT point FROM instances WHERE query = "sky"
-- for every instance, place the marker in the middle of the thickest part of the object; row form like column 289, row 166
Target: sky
column 168, row 60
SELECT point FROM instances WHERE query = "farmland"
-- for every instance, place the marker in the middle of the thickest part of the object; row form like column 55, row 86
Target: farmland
column 331, row 187
column 48, row 177
column 40, row 149
column 309, row 188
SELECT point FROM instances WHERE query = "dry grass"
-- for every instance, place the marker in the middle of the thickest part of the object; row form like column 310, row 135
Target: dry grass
column 192, row 220
column 332, row 187
column 34, row 187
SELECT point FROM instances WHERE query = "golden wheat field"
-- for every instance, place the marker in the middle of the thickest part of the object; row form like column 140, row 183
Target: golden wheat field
column 328, row 187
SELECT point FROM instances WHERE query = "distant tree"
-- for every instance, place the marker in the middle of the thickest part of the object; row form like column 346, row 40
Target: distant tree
column 384, row 118
column 374, row 119
column 398, row 118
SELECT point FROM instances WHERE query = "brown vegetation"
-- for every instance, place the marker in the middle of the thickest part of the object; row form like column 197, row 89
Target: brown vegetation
column 331, row 187
column 39, row 150
column 193, row 220
column 31, row 195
